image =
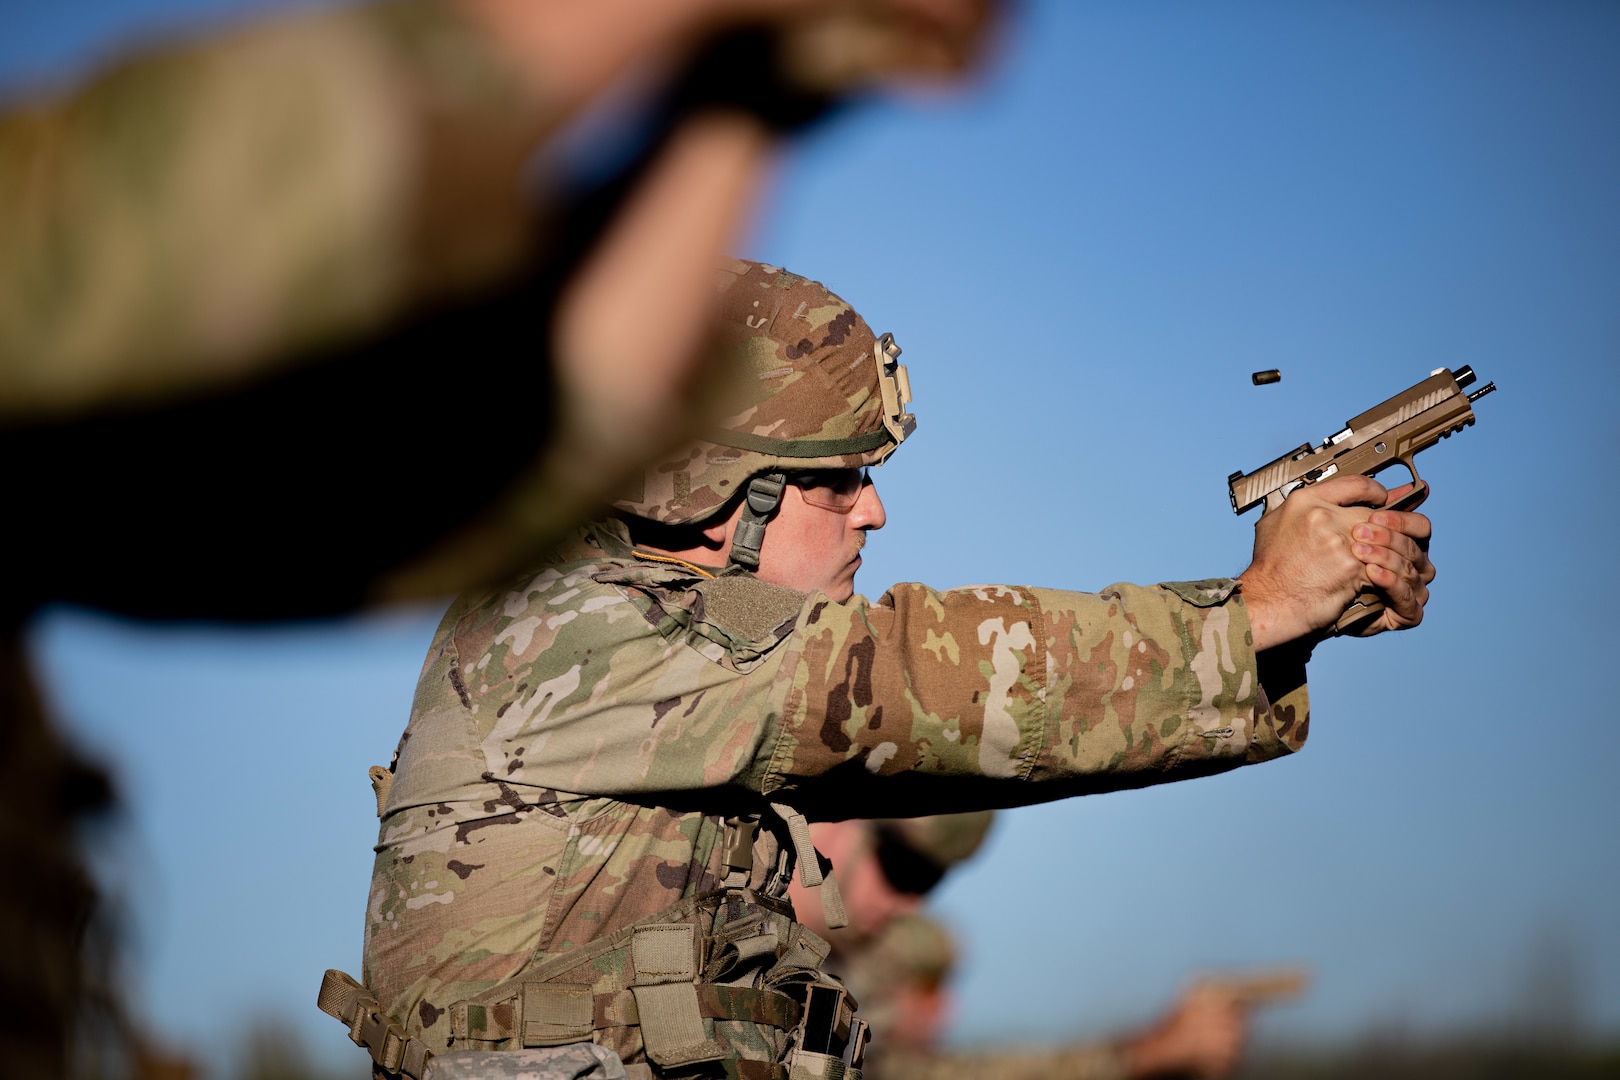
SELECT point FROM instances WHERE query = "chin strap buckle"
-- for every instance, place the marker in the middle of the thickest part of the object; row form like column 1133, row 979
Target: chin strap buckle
column 764, row 496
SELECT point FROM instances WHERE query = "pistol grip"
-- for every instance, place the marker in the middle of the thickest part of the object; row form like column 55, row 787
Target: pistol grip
column 1367, row 606
column 1369, row 602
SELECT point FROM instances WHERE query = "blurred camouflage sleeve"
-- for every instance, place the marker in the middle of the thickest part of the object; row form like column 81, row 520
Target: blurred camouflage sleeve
column 1076, row 691
column 221, row 206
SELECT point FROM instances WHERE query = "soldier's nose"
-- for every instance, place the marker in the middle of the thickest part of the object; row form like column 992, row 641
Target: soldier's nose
column 868, row 512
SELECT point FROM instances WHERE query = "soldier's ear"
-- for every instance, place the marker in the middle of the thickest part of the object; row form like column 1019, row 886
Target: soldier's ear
column 719, row 531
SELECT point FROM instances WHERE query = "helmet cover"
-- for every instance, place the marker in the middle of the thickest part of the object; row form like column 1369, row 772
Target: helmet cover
column 821, row 391
column 943, row 839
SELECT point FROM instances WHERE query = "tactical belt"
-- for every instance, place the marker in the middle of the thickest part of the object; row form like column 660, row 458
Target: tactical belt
column 555, row 1014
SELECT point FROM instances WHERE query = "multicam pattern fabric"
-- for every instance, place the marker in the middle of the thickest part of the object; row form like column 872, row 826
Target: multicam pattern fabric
column 808, row 371
column 209, row 212
column 578, row 735
column 578, row 1062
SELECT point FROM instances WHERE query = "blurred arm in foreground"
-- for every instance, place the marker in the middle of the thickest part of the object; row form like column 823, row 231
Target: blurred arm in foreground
column 282, row 333
column 303, row 253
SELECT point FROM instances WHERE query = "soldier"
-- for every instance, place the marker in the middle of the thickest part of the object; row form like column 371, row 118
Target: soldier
column 897, row 961
column 610, row 761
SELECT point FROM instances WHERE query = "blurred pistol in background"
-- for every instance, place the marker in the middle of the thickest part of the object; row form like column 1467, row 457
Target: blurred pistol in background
column 1267, row 986
column 1393, row 431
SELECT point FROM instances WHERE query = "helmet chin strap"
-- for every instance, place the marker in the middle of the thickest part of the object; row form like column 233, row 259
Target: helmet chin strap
column 764, row 496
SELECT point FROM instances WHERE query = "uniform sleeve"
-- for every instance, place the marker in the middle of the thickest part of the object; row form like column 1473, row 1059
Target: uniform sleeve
column 223, row 206
column 1031, row 694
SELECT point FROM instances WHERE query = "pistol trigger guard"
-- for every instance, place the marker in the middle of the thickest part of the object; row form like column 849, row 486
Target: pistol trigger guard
column 1419, row 492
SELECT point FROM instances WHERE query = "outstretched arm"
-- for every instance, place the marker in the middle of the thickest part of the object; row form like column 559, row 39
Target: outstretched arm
column 227, row 206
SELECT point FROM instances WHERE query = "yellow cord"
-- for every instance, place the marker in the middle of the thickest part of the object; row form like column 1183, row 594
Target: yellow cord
column 650, row 557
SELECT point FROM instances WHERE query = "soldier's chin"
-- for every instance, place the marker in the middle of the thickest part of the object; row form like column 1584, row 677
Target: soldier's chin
column 847, row 584
column 842, row 589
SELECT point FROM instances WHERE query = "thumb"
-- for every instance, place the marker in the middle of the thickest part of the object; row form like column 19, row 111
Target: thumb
column 1351, row 490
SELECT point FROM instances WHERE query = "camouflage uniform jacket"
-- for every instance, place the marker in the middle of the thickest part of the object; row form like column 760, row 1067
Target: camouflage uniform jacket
column 577, row 737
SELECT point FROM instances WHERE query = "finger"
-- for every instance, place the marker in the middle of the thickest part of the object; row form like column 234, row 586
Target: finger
column 1396, row 568
column 1394, row 552
column 1416, row 526
column 1408, row 496
column 1373, row 531
column 1400, row 583
column 1401, row 613
column 1402, row 609
column 1351, row 490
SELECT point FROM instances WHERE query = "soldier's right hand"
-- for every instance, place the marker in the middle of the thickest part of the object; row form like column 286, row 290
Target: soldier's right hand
column 1321, row 547
column 1201, row 1036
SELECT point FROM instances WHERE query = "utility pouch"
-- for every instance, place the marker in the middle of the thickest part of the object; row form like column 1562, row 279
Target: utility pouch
column 664, row 957
column 831, row 1041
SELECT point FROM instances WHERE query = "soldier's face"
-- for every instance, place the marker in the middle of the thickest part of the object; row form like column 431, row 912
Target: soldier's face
column 812, row 547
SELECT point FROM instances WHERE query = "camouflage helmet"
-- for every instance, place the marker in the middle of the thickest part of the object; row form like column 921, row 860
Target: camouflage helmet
column 913, row 953
column 915, row 853
column 822, row 392
column 943, row 839
column 915, row 947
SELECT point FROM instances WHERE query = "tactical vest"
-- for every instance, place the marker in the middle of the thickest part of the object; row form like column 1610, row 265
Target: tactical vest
column 722, row 984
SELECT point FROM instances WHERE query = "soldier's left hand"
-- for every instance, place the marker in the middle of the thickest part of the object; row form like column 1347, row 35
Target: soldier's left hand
column 1394, row 546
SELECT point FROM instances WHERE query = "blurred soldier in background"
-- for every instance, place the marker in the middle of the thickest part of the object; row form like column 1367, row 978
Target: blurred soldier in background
column 898, row 961
column 283, row 331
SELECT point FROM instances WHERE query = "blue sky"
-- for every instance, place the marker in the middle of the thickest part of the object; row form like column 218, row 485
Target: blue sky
column 1084, row 258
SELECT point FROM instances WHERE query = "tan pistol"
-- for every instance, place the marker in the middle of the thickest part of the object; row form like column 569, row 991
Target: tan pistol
column 1392, row 431
column 1265, row 987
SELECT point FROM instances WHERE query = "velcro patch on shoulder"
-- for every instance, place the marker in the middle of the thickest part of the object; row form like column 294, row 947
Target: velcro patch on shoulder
column 743, row 605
